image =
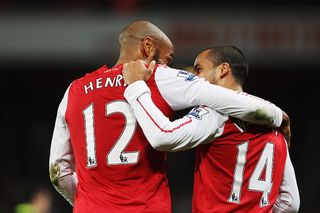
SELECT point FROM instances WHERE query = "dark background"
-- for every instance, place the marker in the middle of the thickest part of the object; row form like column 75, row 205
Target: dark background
column 35, row 74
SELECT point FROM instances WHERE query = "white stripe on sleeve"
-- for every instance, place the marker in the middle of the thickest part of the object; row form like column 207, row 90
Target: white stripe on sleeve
column 182, row 90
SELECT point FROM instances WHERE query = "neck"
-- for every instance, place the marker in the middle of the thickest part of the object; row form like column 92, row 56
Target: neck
column 122, row 60
column 237, row 87
column 232, row 85
column 126, row 56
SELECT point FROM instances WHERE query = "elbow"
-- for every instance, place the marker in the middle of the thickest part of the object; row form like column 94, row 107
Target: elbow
column 160, row 142
column 161, row 148
column 266, row 113
column 260, row 115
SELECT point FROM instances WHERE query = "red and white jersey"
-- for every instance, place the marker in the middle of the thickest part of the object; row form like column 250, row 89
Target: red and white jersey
column 237, row 169
column 99, row 145
column 241, row 171
column 116, row 167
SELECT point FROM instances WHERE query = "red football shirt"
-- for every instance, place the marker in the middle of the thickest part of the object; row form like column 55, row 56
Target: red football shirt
column 241, row 171
column 117, row 169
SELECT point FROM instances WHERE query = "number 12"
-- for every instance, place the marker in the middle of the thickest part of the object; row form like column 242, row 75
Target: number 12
column 116, row 155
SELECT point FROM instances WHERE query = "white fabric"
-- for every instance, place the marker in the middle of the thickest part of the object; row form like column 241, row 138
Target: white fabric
column 61, row 153
column 193, row 129
column 181, row 90
column 201, row 125
column 288, row 199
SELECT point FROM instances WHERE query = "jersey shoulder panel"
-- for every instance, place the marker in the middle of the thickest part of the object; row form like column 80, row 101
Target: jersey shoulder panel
column 90, row 74
column 156, row 95
column 164, row 72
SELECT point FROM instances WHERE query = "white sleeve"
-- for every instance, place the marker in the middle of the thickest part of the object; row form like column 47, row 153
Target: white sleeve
column 182, row 89
column 62, row 162
column 288, row 199
column 201, row 125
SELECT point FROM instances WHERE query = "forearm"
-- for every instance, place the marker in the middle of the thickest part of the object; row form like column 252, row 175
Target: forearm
column 163, row 134
column 238, row 105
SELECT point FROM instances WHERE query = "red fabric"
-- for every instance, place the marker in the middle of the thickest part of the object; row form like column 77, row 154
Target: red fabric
column 215, row 168
column 140, row 187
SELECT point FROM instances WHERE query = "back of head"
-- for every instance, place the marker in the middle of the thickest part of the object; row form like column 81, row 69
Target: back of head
column 145, row 41
column 137, row 31
column 234, row 57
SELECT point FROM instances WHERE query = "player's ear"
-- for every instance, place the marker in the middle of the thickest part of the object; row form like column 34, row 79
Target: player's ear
column 147, row 46
column 225, row 69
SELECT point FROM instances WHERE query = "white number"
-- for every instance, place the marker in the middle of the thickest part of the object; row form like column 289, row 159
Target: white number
column 90, row 140
column 255, row 184
column 238, row 173
column 266, row 161
column 116, row 155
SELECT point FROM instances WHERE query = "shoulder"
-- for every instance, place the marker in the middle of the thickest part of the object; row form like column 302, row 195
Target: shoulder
column 163, row 71
column 89, row 75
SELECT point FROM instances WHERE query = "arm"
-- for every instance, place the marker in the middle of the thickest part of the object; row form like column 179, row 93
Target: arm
column 288, row 199
column 62, row 163
column 201, row 125
column 182, row 89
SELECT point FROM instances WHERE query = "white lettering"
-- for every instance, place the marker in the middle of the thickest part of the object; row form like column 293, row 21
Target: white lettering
column 88, row 87
column 119, row 78
column 99, row 83
column 110, row 82
column 107, row 82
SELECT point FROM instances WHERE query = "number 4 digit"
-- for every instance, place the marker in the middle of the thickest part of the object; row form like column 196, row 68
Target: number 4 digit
column 265, row 186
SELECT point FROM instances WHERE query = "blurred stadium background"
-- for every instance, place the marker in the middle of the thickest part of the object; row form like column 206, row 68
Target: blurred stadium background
column 45, row 45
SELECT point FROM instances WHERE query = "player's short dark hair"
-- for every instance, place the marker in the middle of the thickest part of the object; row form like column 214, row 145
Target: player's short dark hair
column 234, row 57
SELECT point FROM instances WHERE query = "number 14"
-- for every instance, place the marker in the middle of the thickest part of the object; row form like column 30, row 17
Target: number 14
column 255, row 184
